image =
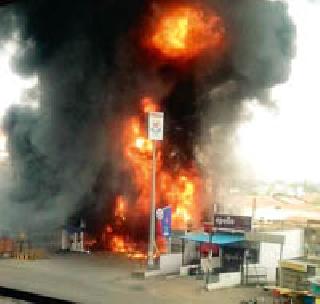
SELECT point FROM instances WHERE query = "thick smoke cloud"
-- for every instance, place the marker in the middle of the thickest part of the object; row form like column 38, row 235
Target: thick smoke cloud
column 8, row 21
column 59, row 151
column 85, row 54
column 262, row 45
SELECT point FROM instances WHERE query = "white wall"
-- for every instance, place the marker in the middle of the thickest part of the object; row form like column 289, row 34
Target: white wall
column 292, row 248
column 226, row 280
column 269, row 258
column 170, row 263
column 294, row 244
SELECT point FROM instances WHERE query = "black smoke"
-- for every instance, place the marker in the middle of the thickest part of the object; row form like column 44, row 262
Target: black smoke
column 91, row 73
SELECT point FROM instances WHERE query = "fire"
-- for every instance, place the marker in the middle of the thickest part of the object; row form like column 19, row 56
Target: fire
column 180, row 190
column 148, row 105
column 117, row 244
column 183, row 191
column 187, row 31
column 121, row 208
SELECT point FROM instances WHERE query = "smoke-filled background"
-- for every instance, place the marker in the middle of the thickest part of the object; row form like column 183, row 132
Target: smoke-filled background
column 91, row 73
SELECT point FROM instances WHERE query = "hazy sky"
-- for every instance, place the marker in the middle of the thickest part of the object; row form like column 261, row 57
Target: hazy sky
column 12, row 87
column 284, row 144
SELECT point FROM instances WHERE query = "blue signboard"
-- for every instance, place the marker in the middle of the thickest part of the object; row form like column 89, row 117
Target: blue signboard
column 166, row 221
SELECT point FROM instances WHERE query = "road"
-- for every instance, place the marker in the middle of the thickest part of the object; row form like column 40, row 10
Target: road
column 4, row 300
column 107, row 279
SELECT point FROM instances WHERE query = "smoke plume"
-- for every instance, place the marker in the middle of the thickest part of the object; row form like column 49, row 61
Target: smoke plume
column 91, row 73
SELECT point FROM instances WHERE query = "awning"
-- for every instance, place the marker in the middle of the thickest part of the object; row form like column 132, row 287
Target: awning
column 217, row 238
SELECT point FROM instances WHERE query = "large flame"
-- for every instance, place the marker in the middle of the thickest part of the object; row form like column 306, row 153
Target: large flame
column 180, row 190
column 186, row 31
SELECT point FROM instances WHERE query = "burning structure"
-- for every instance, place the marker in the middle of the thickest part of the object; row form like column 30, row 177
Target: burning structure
column 102, row 65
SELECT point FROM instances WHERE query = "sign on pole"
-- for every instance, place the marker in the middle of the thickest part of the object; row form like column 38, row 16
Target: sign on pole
column 166, row 221
column 155, row 126
column 159, row 214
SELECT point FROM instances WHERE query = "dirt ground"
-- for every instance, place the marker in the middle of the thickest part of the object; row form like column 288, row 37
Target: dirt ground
column 104, row 279
column 11, row 301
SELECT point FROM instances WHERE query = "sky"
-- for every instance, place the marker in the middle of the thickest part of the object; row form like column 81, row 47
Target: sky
column 283, row 144
column 12, row 87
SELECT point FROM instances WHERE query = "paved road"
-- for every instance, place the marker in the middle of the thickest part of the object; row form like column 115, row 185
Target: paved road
column 107, row 279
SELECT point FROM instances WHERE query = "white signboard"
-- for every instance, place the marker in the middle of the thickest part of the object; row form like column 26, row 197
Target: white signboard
column 155, row 126
column 159, row 214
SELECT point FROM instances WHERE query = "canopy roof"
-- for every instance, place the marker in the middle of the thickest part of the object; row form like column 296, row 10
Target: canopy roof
column 217, row 238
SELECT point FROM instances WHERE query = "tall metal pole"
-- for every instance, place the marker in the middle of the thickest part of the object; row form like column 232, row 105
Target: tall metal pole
column 152, row 227
column 254, row 210
column 280, row 268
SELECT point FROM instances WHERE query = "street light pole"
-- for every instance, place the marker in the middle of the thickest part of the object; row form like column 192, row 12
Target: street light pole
column 152, row 234
column 155, row 133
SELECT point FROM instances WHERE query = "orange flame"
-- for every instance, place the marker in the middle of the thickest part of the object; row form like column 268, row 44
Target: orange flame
column 121, row 208
column 117, row 244
column 180, row 190
column 186, row 31
column 148, row 105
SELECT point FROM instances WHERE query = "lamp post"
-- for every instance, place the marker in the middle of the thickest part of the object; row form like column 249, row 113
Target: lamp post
column 155, row 133
column 152, row 229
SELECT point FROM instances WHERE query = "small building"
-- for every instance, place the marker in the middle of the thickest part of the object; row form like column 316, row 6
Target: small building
column 240, row 257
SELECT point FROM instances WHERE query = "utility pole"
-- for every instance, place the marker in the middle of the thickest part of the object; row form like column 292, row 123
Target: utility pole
column 155, row 133
column 152, row 230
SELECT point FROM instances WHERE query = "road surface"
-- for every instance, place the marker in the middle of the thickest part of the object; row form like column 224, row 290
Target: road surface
column 104, row 279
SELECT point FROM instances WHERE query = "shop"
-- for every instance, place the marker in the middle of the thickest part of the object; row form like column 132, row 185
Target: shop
column 236, row 255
